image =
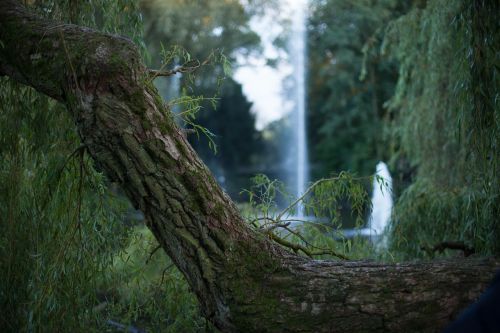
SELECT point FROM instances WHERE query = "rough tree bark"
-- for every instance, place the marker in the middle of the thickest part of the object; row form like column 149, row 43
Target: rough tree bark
column 244, row 282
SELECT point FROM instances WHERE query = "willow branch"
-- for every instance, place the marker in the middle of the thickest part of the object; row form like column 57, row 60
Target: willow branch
column 299, row 248
column 188, row 67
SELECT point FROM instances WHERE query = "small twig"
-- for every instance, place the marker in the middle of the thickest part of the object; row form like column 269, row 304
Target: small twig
column 262, row 218
column 309, row 245
column 100, row 307
column 164, row 272
column 309, row 190
column 284, row 224
column 61, row 170
column 299, row 236
column 152, row 253
column 301, row 198
column 124, row 328
column 297, row 247
column 277, row 225
column 440, row 247
column 186, row 131
column 187, row 67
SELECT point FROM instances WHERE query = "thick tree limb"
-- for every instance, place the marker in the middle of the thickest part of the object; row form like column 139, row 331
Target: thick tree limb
column 244, row 281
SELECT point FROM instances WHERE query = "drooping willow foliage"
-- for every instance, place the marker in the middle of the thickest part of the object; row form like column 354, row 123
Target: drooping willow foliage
column 59, row 224
column 71, row 262
column 446, row 120
column 58, row 221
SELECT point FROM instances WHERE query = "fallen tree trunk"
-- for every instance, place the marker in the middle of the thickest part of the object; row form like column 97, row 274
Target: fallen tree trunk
column 244, row 281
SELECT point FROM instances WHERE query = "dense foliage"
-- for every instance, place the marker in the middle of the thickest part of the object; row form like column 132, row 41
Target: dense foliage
column 446, row 120
column 346, row 105
column 59, row 223
column 70, row 262
column 413, row 83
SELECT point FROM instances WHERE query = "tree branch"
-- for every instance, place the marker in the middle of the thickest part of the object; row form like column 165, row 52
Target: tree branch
column 188, row 67
column 299, row 248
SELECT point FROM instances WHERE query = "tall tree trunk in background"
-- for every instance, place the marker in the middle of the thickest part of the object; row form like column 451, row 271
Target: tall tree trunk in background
column 244, row 282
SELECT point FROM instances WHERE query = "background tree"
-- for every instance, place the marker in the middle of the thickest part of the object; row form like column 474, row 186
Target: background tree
column 348, row 85
column 445, row 118
column 202, row 27
column 346, row 94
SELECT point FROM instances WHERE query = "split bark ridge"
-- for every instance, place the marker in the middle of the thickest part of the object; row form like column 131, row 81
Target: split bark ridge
column 244, row 281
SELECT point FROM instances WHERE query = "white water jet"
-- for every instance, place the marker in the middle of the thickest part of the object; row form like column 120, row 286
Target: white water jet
column 381, row 201
column 298, row 61
column 381, row 209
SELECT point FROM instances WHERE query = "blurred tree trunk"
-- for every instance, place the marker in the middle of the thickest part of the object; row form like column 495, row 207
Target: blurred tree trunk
column 244, row 282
